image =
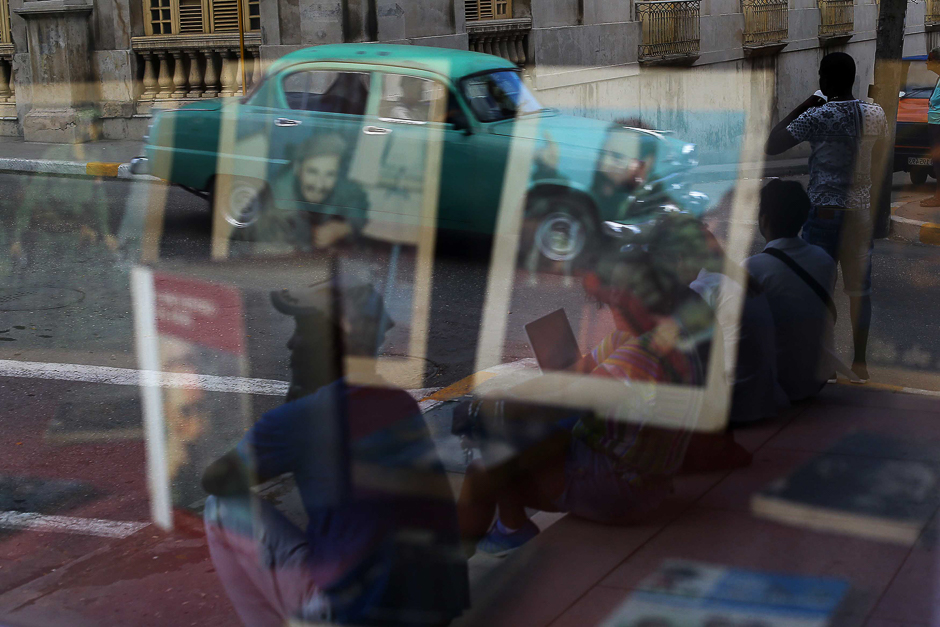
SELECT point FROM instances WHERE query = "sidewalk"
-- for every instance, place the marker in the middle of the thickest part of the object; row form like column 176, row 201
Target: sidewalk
column 575, row 572
column 101, row 159
column 112, row 159
column 911, row 222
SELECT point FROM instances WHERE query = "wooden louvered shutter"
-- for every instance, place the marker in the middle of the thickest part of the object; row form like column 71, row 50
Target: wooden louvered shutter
column 224, row 18
column 485, row 10
column 472, row 11
column 191, row 16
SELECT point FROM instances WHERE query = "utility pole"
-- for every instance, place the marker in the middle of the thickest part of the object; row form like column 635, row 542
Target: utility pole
column 888, row 51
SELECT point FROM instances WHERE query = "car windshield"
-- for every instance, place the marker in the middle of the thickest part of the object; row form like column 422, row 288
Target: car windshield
column 499, row 96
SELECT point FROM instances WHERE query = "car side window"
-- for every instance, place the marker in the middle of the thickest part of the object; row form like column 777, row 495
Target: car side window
column 327, row 91
column 410, row 99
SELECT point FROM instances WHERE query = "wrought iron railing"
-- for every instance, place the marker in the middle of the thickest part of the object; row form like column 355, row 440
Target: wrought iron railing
column 932, row 13
column 670, row 28
column 836, row 17
column 765, row 21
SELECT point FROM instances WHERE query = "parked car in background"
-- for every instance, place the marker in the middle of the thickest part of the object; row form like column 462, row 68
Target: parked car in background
column 388, row 105
column 912, row 141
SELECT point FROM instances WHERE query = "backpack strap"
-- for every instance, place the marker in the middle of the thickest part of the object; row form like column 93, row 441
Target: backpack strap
column 807, row 278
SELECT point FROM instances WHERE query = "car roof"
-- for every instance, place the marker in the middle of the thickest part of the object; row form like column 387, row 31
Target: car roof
column 453, row 63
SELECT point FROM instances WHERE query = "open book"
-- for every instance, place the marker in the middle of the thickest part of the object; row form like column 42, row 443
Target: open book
column 867, row 485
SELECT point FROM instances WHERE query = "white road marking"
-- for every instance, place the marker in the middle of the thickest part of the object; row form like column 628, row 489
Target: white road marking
column 904, row 220
column 69, row 524
column 130, row 376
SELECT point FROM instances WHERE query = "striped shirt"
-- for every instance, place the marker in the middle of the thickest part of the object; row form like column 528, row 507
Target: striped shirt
column 637, row 448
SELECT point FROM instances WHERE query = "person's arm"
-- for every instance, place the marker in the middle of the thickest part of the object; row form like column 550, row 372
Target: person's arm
column 781, row 139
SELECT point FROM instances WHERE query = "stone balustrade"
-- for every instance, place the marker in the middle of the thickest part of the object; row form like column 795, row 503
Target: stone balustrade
column 508, row 39
column 178, row 69
column 7, row 88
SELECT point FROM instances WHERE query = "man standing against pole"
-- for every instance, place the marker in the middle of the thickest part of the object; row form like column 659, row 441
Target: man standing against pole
column 842, row 132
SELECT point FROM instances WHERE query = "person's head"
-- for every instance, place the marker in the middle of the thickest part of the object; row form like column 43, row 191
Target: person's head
column 646, row 278
column 322, row 336
column 625, row 160
column 836, row 75
column 320, row 167
column 784, row 208
column 933, row 60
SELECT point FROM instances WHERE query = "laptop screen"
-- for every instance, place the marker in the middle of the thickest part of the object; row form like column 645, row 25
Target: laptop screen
column 553, row 341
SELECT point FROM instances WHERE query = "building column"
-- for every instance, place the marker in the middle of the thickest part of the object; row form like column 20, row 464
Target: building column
column 63, row 89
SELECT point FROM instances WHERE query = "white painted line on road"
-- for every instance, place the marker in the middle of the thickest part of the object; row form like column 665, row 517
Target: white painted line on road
column 904, row 220
column 69, row 524
column 129, row 376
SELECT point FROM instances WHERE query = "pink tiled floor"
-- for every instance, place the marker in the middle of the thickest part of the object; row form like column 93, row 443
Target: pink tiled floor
column 578, row 572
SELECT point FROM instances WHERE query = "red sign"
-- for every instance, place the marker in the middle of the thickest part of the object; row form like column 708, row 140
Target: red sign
column 202, row 313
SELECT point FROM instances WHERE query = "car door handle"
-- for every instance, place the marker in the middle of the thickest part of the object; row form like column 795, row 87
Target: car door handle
column 376, row 130
column 287, row 122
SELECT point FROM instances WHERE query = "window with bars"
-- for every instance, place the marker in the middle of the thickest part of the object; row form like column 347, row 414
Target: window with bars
column 477, row 10
column 185, row 17
column 5, row 30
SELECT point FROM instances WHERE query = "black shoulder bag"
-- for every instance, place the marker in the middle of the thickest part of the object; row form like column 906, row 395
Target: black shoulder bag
column 807, row 278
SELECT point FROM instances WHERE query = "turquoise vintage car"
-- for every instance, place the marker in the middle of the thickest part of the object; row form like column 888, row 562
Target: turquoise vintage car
column 414, row 123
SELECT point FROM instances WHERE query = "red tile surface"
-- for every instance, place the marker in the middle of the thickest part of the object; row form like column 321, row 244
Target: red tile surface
column 914, row 594
column 549, row 575
column 734, row 491
column 592, row 608
column 825, row 424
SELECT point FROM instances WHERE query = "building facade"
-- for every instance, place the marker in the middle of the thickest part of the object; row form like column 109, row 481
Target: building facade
column 581, row 55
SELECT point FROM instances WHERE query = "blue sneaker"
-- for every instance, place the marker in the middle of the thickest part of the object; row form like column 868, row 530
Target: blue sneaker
column 499, row 544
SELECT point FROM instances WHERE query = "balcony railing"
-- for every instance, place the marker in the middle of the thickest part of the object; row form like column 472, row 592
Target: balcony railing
column 765, row 21
column 670, row 29
column 508, row 39
column 932, row 14
column 185, row 68
column 7, row 90
column 836, row 17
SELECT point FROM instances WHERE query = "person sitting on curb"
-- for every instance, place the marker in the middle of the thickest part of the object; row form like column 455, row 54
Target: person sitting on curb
column 603, row 468
column 797, row 279
column 747, row 330
column 381, row 546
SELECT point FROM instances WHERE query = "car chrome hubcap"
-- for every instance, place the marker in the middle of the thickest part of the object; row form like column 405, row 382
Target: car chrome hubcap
column 243, row 207
column 560, row 237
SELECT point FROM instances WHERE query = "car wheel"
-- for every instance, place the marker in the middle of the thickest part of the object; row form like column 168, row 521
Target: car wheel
column 559, row 229
column 241, row 201
column 919, row 176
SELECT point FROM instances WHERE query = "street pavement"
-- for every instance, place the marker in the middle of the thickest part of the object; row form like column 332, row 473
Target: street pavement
column 75, row 449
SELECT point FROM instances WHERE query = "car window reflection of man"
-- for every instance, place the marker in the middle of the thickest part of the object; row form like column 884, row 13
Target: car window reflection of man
column 381, row 546
column 623, row 165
